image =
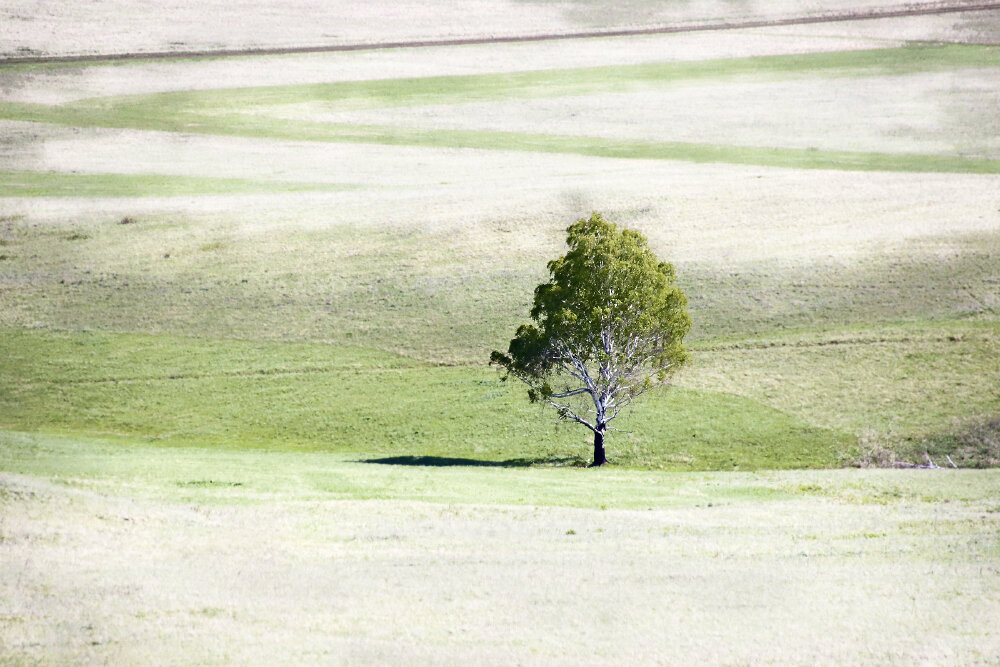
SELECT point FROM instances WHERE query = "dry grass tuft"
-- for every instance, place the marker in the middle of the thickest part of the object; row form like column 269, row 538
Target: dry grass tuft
column 875, row 450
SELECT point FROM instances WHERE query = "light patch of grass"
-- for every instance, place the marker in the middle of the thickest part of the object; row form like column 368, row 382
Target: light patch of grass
column 106, row 27
column 501, row 554
column 946, row 113
column 909, row 381
column 221, row 476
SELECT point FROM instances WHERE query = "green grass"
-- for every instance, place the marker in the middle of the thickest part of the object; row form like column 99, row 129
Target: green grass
column 217, row 423
column 323, row 398
column 901, row 344
column 217, row 475
column 911, row 381
column 447, row 296
column 63, row 184
column 788, row 403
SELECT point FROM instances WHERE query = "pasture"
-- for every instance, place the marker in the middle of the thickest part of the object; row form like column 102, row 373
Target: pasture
column 131, row 553
column 246, row 305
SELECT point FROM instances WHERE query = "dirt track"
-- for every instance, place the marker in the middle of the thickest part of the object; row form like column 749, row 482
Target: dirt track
column 885, row 12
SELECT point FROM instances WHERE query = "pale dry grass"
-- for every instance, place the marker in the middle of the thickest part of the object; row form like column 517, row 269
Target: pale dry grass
column 723, row 215
column 56, row 85
column 945, row 113
column 55, row 27
column 109, row 576
column 981, row 27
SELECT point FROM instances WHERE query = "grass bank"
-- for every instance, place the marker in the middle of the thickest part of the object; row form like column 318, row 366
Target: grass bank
column 313, row 397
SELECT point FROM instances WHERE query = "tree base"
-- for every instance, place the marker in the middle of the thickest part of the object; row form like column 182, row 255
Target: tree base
column 599, row 457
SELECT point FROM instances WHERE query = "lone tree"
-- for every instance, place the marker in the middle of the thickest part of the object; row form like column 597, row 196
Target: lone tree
column 609, row 326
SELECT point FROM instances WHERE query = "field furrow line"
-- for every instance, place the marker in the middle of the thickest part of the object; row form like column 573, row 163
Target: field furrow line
column 893, row 11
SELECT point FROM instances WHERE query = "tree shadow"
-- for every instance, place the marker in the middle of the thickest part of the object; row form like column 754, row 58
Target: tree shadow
column 448, row 461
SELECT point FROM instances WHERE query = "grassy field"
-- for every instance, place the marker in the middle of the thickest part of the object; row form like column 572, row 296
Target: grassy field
column 246, row 306
column 114, row 550
column 413, row 216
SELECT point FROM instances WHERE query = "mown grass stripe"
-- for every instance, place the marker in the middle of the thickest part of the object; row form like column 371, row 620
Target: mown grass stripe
column 459, row 89
column 270, row 128
column 63, row 184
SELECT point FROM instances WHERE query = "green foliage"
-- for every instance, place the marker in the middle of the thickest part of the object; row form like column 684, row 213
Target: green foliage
column 62, row 184
column 610, row 281
column 609, row 326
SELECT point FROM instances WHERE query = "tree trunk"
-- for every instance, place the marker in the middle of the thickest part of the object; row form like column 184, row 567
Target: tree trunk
column 599, row 458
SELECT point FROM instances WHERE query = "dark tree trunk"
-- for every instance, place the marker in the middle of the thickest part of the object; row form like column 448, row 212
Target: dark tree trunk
column 599, row 458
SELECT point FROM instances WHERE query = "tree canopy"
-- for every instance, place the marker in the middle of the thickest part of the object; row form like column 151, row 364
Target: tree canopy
column 607, row 327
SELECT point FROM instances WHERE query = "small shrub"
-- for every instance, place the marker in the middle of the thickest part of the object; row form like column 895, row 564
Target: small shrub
column 874, row 451
column 127, row 220
column 77, row 236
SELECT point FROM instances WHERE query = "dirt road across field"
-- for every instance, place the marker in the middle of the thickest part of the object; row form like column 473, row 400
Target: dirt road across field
column 830, row 17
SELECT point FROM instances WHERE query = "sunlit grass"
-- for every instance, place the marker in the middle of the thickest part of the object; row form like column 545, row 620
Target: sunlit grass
column 323, row 398
column 116, row 549
column 448, row 295
column 223, row 475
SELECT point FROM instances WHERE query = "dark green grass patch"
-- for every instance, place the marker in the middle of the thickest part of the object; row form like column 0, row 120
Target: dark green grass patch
column 319, row 398
column 444, row 296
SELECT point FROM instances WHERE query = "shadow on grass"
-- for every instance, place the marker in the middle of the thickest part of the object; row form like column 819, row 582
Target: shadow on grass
column 448, row 461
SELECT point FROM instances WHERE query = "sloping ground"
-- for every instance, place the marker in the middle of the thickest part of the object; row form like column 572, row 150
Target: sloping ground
column 311, row 398
column 406, row 202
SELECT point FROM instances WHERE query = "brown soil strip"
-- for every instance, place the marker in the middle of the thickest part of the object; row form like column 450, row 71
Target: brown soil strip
column 865, row 15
